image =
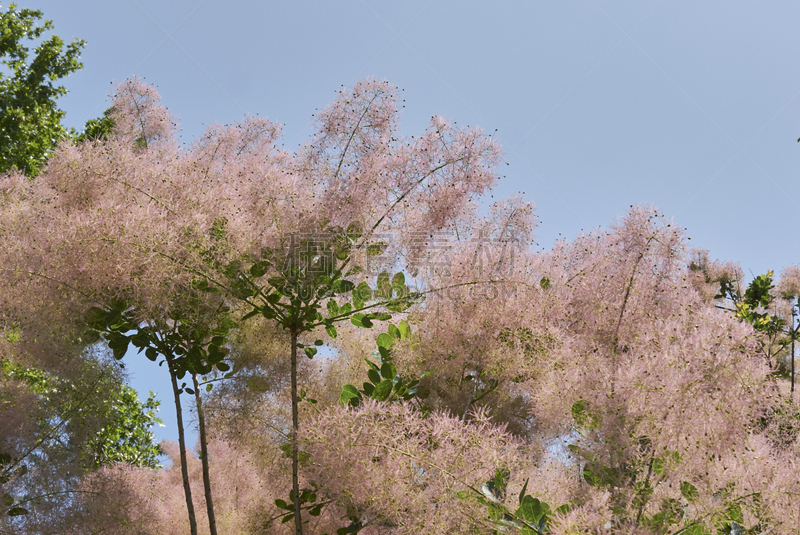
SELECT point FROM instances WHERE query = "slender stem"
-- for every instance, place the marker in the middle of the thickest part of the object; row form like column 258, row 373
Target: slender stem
column 182, row 443
column 298, row 521
column 794, row 335
column 646, row 484
column 212, row 522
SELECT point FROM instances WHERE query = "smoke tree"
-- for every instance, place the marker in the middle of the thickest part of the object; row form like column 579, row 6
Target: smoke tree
column 253, row 199
column 592, row 388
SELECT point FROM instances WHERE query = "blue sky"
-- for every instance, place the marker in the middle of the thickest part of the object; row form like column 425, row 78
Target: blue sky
column 693, row 107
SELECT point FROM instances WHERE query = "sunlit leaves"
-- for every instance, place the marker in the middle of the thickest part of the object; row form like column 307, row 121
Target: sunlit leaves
column 531, row 517
column 385, row 383
column 30, row 125
column 189, row 348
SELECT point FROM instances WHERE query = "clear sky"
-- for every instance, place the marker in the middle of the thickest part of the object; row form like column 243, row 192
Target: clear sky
column 690, row 106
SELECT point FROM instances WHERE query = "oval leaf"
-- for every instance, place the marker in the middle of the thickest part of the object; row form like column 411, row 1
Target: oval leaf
column 385, row 340
column 383, row 390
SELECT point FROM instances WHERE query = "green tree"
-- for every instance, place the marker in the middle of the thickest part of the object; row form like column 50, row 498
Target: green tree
column 83, row 424
column 30, row 120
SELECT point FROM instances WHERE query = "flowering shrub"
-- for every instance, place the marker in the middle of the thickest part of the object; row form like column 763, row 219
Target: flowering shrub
column 603, row 374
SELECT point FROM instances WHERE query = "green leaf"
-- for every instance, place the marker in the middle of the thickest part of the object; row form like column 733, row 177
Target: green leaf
column 582, row 415
column 333, row 307
column 251, row 314
column 259, row 269
column 385, row 340
column 223, row 367
column 119, row 345
column 384, row 285
column 277, row 282
column 209, row 386
column 310, row 352
column 17, row 511
column 659, row 466
column 355, row 271
column 200, row 284
column 368, row 389
column 398, row 281
column 399, row 305
column 361, row 320
column 405, row 329
column 354, row 231
column 151, row 354
column 532, row 510
column 374, row 376
column 331, row 330
column 394, row 332
column 735, row 514
column 563, row 509
column 140, row 340
column 388, row 371
column 383, row 390
column 350, row 395
column 361, row 295
column 343, row 286
column 376, row 249
column 689, row 491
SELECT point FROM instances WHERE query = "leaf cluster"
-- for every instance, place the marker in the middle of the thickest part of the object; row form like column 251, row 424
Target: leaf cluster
column 91, row 422
column 531, row 516
column 193, row 348
column 30, row 121
column 385, row 384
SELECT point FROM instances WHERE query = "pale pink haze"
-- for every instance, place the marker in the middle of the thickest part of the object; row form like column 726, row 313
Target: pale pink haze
column 606, row 353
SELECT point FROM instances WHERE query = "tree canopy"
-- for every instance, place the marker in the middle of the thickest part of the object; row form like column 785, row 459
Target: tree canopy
column 597, row 387
column 30, row 120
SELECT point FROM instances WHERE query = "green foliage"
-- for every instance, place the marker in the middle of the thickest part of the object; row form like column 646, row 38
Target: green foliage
column 752, row 306
column 100, row 396
column 643, row 477
column 129, row 439
column 97, row 129
column 583, row 415
column 531, row 517
column 385, row 384
column 309, row 501
column 92, row 422
column 193, row 348
column 30, row 121
column 303, row 289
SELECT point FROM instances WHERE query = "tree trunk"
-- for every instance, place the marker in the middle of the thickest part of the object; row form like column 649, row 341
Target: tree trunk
column 298, row 521
column 182, row 443
column 201, row 424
